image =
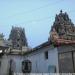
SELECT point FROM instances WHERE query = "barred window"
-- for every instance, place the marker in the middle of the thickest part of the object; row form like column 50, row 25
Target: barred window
column 26, row 66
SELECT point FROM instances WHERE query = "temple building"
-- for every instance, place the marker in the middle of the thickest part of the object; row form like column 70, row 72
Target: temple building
column 57, row 55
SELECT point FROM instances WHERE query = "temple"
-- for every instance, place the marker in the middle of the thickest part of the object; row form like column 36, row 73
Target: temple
column 63, row 30
column 18, row 38
column 56, row 55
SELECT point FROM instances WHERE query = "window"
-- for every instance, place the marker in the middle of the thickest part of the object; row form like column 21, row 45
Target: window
column 46, row 55
column 26, row 66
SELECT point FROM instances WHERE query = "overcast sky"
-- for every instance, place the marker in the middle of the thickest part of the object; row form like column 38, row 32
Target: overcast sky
column 36, row 16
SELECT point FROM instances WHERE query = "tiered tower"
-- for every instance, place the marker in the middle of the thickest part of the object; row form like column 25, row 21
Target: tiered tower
column 18, row 38
column 62, row 28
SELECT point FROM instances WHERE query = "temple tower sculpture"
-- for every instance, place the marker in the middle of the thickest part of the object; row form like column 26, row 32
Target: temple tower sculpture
column 18, row 38
column 63, row 26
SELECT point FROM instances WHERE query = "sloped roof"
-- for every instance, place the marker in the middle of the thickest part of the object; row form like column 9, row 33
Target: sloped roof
column 45, row 44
